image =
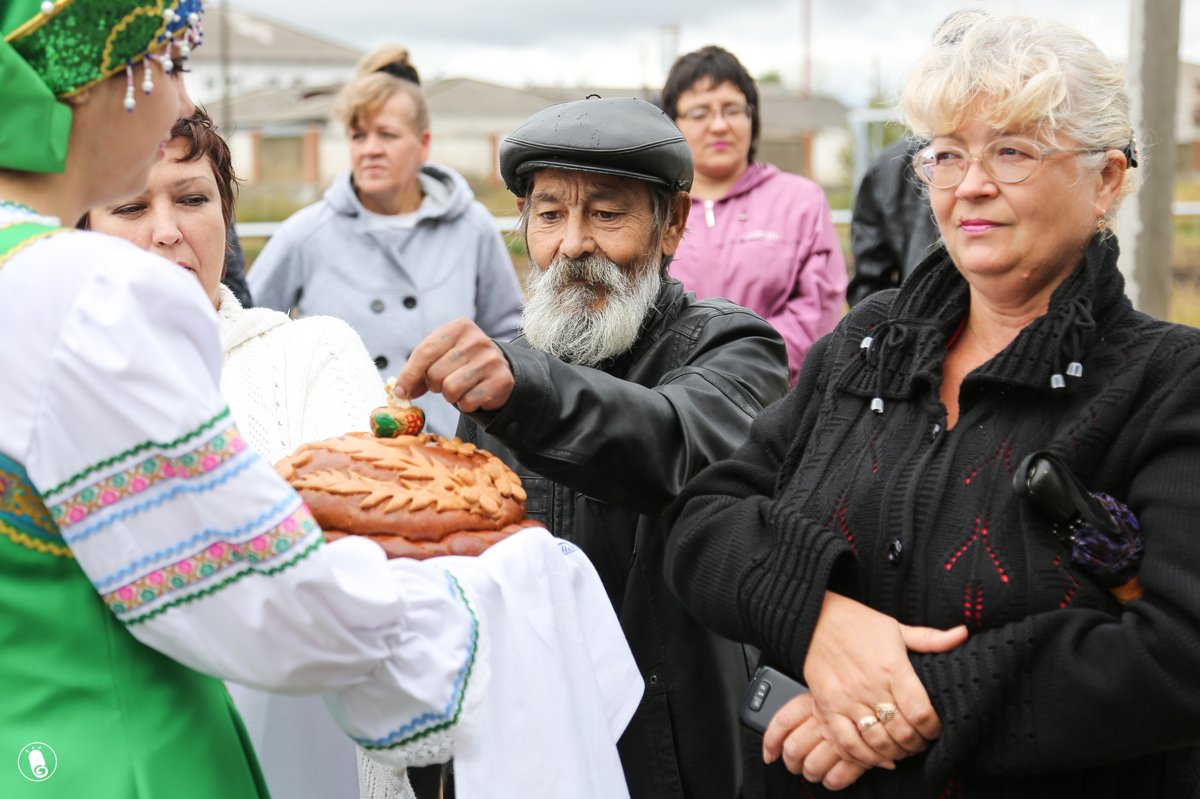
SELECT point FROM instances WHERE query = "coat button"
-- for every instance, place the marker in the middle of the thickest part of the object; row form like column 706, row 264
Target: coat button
column 377, row 306
column 410, row 302
column 381, row 362
column 895, row 551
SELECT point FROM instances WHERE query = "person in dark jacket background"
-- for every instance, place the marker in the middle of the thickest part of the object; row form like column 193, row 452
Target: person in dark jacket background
column 234, row 275
column 891, row 228
column 621, row 389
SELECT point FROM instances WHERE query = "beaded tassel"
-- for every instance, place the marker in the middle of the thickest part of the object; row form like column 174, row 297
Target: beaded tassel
column 147, row 76
column 130, row 102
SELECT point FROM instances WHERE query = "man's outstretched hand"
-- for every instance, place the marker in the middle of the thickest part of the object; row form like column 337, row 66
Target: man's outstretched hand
column 460, row 362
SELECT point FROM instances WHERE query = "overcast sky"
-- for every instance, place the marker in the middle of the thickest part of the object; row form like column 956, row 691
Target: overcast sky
column 856, row 44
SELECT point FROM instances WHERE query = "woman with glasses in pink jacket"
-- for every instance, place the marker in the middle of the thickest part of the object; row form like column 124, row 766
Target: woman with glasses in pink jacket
column 758, row 236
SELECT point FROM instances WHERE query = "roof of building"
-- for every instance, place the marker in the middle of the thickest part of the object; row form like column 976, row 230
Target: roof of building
column 260, row 40
column 783, row 112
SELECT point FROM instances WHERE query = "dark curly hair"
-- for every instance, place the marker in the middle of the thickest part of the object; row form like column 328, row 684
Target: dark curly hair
column 203, row 140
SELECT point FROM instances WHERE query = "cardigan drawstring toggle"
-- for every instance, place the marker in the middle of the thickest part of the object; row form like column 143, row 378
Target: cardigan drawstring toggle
column 891, row 336
column 1073, row 334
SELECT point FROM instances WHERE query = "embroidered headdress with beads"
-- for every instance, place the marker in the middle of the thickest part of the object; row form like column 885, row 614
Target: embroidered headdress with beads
column 54, row 50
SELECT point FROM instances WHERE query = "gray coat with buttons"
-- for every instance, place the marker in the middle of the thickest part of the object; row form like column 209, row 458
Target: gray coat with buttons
column 602, row 453
column 394, row 279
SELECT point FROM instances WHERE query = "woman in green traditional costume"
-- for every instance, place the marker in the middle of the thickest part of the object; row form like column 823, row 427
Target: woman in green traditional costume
column 143, row 545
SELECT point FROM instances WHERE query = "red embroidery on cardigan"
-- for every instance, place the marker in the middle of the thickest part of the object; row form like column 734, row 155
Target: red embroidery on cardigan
column 1068, row 597
column 953, row 790
column 980, row 533
column 1004, row 454
column 839, row 513
column 973, row 604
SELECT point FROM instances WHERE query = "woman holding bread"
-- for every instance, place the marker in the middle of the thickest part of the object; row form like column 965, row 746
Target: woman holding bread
column 287, row 383
column 148, row 551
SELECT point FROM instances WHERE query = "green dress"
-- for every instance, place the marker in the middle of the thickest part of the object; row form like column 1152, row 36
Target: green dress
column 114, row 718
column 86, row 710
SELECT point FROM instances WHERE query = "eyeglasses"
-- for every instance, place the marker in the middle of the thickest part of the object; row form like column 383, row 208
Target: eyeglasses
column 734, row 112
column 1008, row 160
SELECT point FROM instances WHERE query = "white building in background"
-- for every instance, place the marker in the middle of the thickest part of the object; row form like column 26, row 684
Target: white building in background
column 282, row 83
column 263, row 54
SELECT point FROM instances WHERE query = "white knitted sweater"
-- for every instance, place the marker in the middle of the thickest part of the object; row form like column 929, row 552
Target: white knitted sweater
column 290, row 382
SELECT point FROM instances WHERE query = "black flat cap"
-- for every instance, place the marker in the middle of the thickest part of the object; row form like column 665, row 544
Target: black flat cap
column 621, row 136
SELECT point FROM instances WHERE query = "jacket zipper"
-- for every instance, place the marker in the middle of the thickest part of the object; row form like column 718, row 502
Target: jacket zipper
column 709, row 218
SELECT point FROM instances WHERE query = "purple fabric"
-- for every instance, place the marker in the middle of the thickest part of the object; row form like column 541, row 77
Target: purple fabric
column 1112, row 559
column 771, row 247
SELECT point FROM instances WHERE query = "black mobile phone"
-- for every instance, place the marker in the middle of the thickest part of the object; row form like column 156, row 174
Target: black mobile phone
column 767, row 692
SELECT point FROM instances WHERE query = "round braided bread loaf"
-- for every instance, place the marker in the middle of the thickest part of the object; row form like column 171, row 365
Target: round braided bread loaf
column 418, row 496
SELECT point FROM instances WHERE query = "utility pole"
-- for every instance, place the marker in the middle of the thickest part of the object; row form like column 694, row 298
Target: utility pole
column 1146, row 223
column 806, row 46
column 668, row 42
column 226, row 123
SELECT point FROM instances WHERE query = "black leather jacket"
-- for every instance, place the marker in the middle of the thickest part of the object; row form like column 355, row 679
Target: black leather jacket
column 892, row 227
column 602, row 453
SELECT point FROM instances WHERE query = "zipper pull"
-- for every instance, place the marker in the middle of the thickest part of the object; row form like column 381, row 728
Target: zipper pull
column 709, row 218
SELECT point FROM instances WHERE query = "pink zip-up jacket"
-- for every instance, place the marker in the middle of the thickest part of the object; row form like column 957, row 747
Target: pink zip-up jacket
column 769, row 245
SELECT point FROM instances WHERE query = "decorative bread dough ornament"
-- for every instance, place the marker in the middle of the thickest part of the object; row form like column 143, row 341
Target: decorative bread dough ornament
column 398, row 418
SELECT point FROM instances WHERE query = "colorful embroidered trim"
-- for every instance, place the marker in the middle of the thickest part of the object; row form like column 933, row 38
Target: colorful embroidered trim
column 24, row 519
column 266, row 520
column 150, row 472
column 245, row 460
column 449, row 717
column 132, row 451
column 214, row 561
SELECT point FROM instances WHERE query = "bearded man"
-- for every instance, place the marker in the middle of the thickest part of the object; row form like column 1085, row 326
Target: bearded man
column 621, row 388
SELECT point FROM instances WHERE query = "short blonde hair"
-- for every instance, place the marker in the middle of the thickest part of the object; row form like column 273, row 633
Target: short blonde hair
column 1031, row 73
column 371, row 89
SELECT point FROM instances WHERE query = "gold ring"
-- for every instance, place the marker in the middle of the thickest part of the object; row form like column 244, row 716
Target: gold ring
column 866, row 723
column 884, row 711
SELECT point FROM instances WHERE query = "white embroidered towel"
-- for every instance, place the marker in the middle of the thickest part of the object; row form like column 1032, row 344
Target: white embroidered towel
column 564, row 684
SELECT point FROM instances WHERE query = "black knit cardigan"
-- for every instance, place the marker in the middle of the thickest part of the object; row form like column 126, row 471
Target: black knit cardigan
column 1059, row 691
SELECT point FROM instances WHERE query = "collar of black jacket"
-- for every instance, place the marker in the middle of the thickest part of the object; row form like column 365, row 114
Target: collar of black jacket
column 907, row 346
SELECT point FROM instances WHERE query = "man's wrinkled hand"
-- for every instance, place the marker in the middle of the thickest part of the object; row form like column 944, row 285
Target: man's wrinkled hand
column 460, row 362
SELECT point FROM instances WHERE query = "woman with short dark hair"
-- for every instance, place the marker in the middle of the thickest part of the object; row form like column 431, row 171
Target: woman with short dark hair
column 756, row 235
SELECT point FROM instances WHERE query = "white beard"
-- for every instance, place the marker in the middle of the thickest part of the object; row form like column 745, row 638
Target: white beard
column 559, row 319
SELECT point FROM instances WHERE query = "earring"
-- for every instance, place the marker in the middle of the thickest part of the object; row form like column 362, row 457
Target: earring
column 1101, row 225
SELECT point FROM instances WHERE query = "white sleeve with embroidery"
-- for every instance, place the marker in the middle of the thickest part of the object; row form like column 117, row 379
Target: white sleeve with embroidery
column 204, row 553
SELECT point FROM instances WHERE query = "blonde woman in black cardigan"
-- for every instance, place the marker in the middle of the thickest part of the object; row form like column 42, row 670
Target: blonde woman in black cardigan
column 869, row 538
